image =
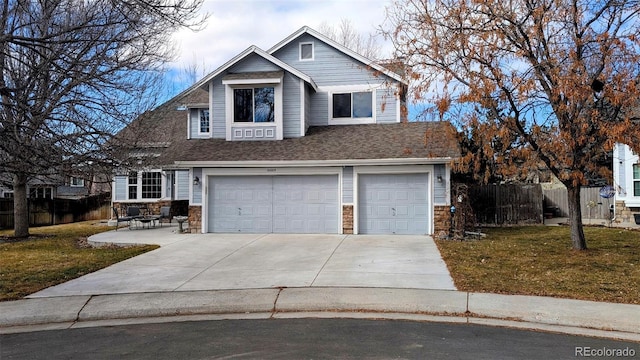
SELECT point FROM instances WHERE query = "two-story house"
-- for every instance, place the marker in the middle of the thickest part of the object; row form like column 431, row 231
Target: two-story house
column 306, row 137
column 626, row 178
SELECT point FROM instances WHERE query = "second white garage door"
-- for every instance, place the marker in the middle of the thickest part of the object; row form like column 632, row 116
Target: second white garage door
column 393, row 204
column 274, row 204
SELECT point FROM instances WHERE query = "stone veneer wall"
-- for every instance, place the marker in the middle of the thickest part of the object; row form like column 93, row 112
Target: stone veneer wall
column 195, row 219
column 441, row 220
column 625, row 214
column 347, row 219
column 153, row 207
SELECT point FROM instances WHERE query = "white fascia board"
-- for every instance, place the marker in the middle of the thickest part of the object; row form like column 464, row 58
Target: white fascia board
column 304, row 163
column 252, row 81
column 339, row 47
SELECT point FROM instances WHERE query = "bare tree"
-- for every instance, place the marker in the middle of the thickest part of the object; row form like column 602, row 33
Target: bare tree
column 73, row 73
column 347, row 35
column 560, row 75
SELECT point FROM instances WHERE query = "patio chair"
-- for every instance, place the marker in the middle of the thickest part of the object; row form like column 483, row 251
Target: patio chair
column 165, row 213
column 120, row 219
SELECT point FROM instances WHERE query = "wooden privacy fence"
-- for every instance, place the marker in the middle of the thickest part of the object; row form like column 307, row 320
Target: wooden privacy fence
column 593, row 206
column 507, row 204
column 58, row 211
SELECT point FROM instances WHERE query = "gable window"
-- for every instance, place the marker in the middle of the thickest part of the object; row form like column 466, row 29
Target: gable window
column 306, row 51
column 353, row 105
column 254, row 105
column 636, row 179
column 205, row 125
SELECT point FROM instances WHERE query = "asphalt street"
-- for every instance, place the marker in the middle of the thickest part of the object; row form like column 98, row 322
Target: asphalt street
column 306, row 339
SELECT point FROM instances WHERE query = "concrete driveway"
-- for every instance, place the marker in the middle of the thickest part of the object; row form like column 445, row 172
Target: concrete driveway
column 187, row 262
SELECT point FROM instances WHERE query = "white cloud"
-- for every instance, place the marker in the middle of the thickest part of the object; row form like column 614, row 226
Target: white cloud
column 234, row 25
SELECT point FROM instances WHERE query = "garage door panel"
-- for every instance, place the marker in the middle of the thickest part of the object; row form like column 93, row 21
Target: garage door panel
column 393, row 204
column 281, row 204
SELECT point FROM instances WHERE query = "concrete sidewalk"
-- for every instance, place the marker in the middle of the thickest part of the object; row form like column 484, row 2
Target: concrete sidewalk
column 585, row 318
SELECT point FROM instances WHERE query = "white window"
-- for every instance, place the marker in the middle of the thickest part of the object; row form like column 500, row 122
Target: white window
column 306, row 51
column 254, row 105
column 352, row 105
column 205, row 125
column 79, row 182
column 636, row 179
column 8, row 195
column 144, row 185
column 41, row 193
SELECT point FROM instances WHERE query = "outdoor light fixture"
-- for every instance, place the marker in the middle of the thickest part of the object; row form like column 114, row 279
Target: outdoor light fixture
column 196, row 181
column 439, row 178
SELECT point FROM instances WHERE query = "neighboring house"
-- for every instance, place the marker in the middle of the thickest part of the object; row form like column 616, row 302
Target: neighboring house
column 626, row 177
column 307, row 137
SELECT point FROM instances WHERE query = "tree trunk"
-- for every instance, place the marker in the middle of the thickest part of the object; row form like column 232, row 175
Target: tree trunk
column 20, row 206
column 575, row 218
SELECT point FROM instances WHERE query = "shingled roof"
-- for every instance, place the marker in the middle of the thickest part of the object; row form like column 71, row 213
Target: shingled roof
column 345, row 142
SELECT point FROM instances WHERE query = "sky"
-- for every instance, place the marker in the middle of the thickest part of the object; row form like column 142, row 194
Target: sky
column 234, row 25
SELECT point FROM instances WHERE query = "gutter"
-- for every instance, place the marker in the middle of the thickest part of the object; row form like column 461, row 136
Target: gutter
column 309, row 163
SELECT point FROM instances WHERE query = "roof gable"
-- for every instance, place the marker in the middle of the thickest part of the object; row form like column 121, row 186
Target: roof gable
column 366, row 61
column 244, row 55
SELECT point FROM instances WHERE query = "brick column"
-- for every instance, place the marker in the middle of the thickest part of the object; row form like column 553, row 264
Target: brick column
column 441, row 219
column 195, row 219
column 347, row 219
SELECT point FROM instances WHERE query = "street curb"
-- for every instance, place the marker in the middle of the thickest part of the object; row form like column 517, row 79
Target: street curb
column 620, row 321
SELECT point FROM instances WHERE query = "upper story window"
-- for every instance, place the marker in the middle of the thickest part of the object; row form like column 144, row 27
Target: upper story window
column 306, row 51
column 254, row 105
column 636, row 179
column 205, row 124
column 352, row 105
column 77, row 182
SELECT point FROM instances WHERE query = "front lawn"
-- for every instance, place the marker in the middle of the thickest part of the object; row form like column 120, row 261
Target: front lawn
column 538, row 260
column 53, row 255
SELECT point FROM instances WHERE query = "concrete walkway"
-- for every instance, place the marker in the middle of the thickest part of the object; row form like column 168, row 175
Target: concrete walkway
column 208, row 276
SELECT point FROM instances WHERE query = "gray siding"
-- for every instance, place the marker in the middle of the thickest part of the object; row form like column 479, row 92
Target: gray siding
column 347, row 185
column 307, row 108
column 386, row 106
column 217, row 116
column 182, row 185
column 329, row 67
column 197, row 190
column 253, row 63
column 319, row 109
column 120, row 191
column 291, row 106
column 440, row 188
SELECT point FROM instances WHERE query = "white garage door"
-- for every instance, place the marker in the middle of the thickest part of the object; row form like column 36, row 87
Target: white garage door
column 274, row 204
column 393, row 204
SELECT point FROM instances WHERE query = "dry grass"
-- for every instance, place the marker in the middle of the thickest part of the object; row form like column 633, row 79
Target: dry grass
column 54, row 254
column 538, row 260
